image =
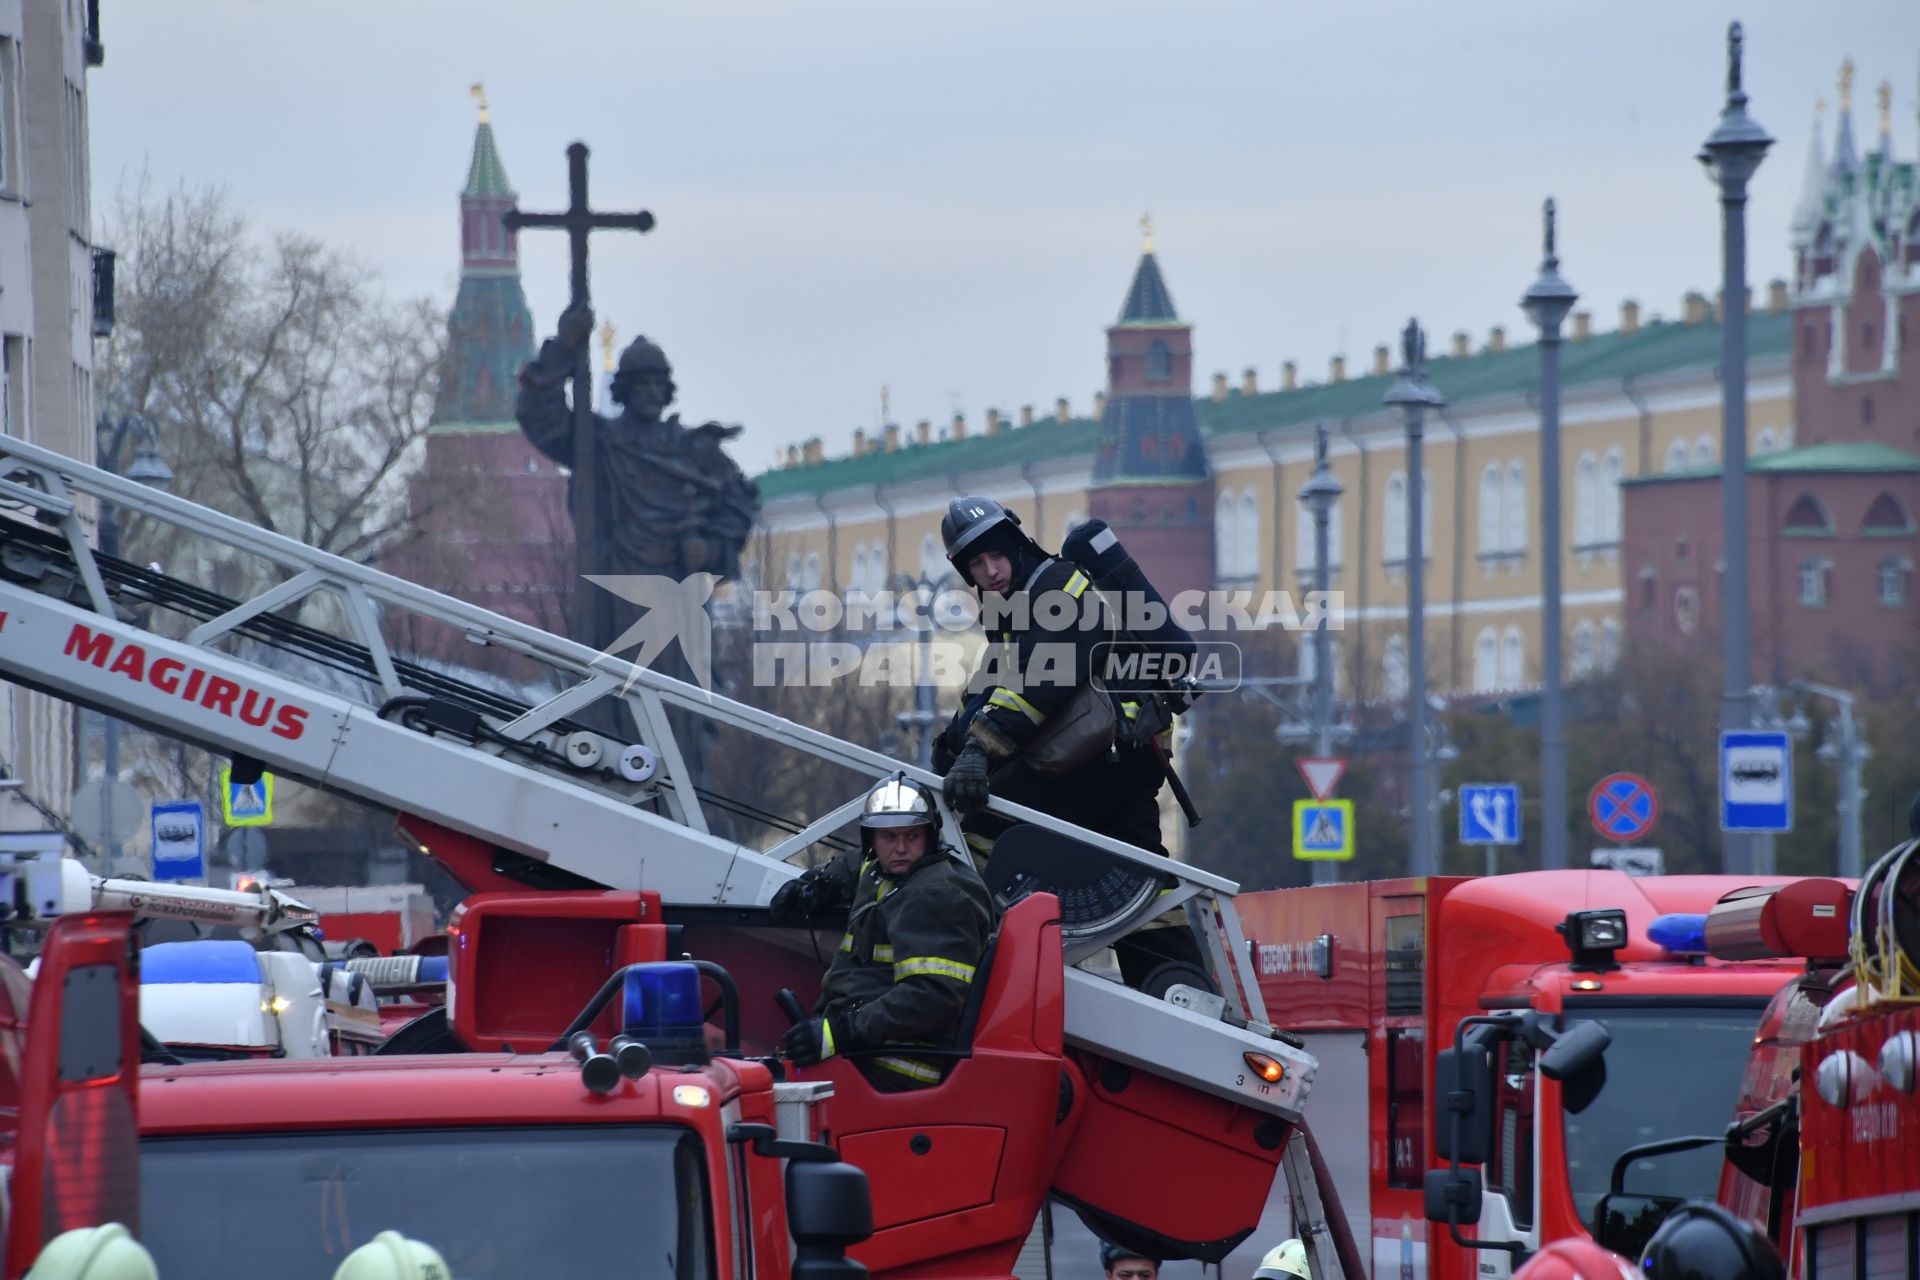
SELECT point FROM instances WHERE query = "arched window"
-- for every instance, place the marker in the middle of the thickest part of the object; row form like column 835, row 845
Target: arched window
column 1586, row 507
column 933, row 558
column 857, row 582
column 1486, row 661
column 1307, row 669
column 795, row 567
column 1335, row 542
column 1074, row 521
column 1611, row 468
column 1813, row 582
column 810, row 572
column 1513, row 656
column 1394, row 519
column 1808, row 515
column 1159, row 362
column 1303, row 538
column 1513, row 507
column 1677, row 457
column 1703, row 451
column 1226, row 536
column 1248, row 553
column 876, row 570
column 1766, row 442
column 1490, row 522
column 1893, row 580
column 1609, row 643
column 1394, row 668
column 1887, row 515
column 1585, row 642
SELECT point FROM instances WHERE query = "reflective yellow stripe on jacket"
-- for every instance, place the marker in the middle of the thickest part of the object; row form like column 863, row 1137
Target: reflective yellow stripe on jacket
column 1011, row 701
column 934, row 966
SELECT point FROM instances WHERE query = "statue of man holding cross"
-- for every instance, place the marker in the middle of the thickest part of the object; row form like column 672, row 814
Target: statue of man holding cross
column 650, row 497
column 668, row 500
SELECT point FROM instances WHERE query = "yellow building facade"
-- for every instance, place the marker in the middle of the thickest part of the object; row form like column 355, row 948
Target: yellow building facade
column 1639, row 399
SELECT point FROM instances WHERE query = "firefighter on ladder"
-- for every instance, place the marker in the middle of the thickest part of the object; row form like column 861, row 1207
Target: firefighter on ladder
column 983, row 752
column 918, row 924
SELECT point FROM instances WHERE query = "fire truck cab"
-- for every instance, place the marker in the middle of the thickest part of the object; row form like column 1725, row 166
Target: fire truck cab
column 1381, row 978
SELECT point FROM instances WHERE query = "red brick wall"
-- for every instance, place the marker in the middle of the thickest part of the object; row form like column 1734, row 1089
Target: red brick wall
column 1127, row 361
column 1673, row 527
column 1152, row 520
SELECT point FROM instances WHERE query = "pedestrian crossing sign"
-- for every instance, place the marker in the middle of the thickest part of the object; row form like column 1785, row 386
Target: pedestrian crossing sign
column 1323, row 830
column 248, row 804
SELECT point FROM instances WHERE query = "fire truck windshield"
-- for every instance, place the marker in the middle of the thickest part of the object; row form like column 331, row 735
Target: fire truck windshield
column 1673, row 1069
column 498, row 1203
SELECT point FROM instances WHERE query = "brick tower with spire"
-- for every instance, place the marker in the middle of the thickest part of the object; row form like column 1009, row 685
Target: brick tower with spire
column 1151, row 482
column 490, row 510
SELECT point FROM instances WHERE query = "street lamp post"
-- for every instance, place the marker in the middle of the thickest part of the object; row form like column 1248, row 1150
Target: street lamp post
column 1319, row 494
column 1846, row 752
column 150, row 469
column 1415, row 395
column 1547, row 303
column 1731, row 154
column 924, row 716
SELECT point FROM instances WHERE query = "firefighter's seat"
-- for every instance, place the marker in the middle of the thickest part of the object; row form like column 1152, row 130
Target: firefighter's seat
column 937, row 1151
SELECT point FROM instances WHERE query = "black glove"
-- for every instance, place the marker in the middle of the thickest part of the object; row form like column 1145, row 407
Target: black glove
column 1155, row 716
column 813, row 1040
column 576, row 326
column 966, row 781
column 823, row 888
column 943, row 754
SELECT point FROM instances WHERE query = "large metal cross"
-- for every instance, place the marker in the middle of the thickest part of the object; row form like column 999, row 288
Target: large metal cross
column 579, row 221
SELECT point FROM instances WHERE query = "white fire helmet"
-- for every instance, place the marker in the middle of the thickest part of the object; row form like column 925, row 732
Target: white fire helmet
column 391, row 1256
column 1284, row 1260
column 897, row 802
column 94, row 1253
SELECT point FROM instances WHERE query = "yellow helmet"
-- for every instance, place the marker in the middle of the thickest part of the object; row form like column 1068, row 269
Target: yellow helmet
column 94, row 1253
column 1284, row 1261
column 391, row 1256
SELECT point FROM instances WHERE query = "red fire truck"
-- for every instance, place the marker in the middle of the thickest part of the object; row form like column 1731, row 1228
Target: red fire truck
column 1378, row 978
column 564, row 803
column 1821, row 1156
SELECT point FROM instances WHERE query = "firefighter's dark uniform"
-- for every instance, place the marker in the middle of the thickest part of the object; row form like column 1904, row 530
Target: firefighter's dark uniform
column 1115, row 794
column 906, row 965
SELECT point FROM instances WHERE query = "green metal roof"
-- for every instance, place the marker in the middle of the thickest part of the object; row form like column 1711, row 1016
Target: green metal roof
column 1855, row 456
column 1653, row 349
column 486, row 176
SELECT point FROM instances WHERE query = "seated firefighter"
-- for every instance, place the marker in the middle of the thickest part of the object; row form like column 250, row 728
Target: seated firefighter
column 917, row 926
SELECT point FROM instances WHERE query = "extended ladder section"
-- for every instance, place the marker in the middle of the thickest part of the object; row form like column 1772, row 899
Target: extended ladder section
column 573, row 763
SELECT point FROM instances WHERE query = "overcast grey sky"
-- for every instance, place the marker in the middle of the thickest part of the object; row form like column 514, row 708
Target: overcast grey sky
column 943, row 198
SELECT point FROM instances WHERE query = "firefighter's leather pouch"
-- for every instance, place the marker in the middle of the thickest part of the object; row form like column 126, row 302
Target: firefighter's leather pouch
column 1074, row 736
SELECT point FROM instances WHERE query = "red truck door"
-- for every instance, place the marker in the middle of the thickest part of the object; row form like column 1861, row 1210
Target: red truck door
column 76, row 1153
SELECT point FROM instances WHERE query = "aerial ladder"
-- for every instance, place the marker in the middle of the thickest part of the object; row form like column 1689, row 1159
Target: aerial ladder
column 520, row 784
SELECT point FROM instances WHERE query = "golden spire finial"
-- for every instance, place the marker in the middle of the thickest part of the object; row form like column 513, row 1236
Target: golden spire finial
column 1846, row 86
column 1885, row 96
column 479, row 92
column 606, row 344
column 1146, row 233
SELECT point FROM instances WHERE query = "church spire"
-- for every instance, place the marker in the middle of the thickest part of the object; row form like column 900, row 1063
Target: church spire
column 1845, row 159
column 1148, row 301
column 485, row 243
column 1812, row 206
column 489, row 332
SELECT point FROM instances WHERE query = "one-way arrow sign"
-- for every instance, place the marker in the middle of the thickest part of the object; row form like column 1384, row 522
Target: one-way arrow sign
column 1323, row 774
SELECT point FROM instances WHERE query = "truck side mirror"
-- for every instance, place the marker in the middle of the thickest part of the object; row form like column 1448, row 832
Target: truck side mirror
column 829, row 1208
column 1452, row 1195
column 1624, row 1222
column 1465, row 1078
column 1577, row 1059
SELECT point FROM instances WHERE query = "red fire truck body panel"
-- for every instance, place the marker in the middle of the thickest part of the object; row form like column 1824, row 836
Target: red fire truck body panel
column 1405, row 960
column 1859, row 1157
